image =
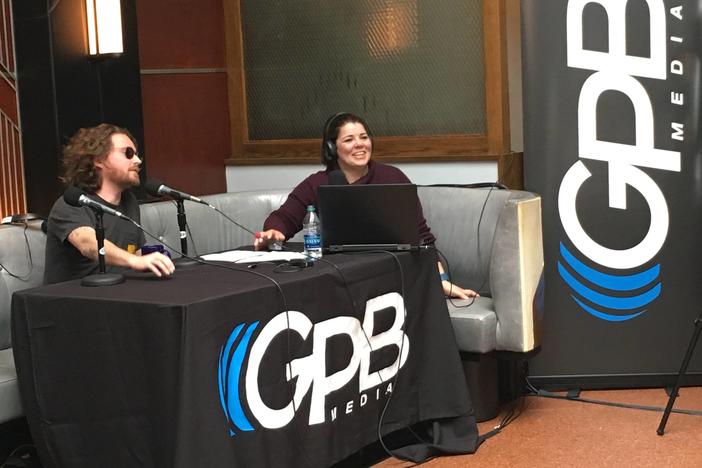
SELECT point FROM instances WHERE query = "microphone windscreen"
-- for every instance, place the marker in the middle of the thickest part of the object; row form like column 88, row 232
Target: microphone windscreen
column 72, row 195
column 152, row 186
column 336, row 177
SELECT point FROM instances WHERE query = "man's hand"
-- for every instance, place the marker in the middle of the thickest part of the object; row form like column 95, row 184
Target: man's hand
column 157, row 263
column 83, row 238
column 265, row 238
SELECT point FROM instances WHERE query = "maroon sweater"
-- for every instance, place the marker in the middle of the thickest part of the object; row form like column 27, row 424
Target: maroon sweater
column 288, row 218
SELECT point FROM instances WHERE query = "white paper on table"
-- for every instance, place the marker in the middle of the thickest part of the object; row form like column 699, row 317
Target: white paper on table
column 249, row 256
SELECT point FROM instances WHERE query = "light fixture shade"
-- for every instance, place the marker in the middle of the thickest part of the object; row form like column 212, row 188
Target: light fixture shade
column 104, row 21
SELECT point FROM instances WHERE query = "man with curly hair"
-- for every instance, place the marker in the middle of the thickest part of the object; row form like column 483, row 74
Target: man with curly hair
column 102, row 161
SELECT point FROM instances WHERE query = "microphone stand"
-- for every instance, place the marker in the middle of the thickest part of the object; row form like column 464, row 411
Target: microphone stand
column 101, row 278
column 183, row 227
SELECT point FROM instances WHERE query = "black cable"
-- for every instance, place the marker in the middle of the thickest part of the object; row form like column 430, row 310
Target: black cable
column 353, row 305
column 480, row 220
column 348, row 291
column 15, row 452
column 387, row 450
column 492, row 186
column 401, row 348
column 288, row 267
column 399, row 364
column 530, row 386
column 516, row 409
column 496, row 184
column 231, row 220
column 192, row 240
column 28, row 275
column 658, row 409
column 444, row 259
column 286, row 309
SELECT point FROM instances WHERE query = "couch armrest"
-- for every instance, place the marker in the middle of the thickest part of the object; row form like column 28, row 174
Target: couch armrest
column 22, row 252
column 516, row 273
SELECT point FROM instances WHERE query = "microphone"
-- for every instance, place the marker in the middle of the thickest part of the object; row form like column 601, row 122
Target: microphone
column 157, row 188
column 336, row 177
column 76, row 197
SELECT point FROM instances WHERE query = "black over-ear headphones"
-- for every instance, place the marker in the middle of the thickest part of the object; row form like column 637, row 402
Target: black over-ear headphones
column 328, row 144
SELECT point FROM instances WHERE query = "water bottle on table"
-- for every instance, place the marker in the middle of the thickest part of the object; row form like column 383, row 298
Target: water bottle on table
column 312, row 230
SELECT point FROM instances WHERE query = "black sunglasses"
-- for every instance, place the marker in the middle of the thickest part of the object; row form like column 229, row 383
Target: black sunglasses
column 129, row 152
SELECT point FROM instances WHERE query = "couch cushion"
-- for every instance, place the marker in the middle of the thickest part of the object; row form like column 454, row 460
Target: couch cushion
column 10, row 404
column 210, row 231
column 475, row 326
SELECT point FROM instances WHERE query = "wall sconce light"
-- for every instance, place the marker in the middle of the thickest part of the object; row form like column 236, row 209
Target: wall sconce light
column 104, row 20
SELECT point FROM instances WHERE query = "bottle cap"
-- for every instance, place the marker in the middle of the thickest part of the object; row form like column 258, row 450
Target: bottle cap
column 311, row 208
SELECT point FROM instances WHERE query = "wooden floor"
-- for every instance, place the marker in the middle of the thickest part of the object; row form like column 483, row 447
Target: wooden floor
column 561, row 433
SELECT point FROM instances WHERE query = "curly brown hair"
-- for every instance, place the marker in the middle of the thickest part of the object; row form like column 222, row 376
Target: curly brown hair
column 81, row 152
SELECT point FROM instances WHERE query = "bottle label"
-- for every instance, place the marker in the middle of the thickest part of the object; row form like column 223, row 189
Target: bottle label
column 313, row 241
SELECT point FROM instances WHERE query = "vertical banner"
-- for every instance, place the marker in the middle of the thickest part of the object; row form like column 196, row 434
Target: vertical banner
column 612, row 143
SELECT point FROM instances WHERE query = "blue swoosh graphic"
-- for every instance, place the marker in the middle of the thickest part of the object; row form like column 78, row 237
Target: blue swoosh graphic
column 233, row 401
column 604, row 316
column 610, row 302
column 222, row 371
column 614, row 282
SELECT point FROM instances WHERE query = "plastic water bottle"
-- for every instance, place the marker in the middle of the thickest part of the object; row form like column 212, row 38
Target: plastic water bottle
column 312, row 231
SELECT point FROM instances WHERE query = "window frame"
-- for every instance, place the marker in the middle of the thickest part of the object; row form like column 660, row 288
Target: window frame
column 491, row 146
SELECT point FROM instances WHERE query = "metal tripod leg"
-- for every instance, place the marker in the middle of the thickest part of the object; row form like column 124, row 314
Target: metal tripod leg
column 681, row 372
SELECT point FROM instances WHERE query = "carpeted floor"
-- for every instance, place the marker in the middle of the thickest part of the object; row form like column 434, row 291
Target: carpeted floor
column 562, row 433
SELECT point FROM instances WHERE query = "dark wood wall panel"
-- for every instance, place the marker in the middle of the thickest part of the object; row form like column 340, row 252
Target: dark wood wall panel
column 184, row 33
column 12, row 185
column 187, row 130
column 8, row 101
column 184, row 91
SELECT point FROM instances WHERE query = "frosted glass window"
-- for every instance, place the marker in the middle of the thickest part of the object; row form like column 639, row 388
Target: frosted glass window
column 410, row 67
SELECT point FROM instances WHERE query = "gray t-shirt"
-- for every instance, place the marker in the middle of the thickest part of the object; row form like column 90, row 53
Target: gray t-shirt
column 63, row 261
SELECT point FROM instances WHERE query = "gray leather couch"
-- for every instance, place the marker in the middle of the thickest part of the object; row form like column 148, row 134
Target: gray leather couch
column 491, row 239
column 22, row 259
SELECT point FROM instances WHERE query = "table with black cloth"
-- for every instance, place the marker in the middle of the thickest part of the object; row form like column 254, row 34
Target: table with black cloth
column 195, row 370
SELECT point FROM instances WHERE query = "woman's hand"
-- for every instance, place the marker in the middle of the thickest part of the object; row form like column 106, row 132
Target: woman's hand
column 265, row 238
column 453, row 291
column 457, row 292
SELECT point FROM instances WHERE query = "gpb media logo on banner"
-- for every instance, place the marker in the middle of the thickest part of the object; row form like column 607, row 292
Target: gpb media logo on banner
column 617, row 297
column 310, row 371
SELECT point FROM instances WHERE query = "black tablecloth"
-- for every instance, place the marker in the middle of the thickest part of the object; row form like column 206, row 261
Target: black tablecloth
column 163, row 372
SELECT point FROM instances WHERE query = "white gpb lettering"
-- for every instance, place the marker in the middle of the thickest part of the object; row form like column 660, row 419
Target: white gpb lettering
column 613, row 72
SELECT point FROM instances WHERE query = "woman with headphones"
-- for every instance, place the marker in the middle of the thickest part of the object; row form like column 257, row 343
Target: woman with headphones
column 347, row 148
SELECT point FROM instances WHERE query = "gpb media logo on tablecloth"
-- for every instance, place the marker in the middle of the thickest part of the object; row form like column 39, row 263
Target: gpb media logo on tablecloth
column 618, row 297
column 310, row 371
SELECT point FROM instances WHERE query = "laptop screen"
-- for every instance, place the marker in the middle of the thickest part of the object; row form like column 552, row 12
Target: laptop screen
column 379, row 214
